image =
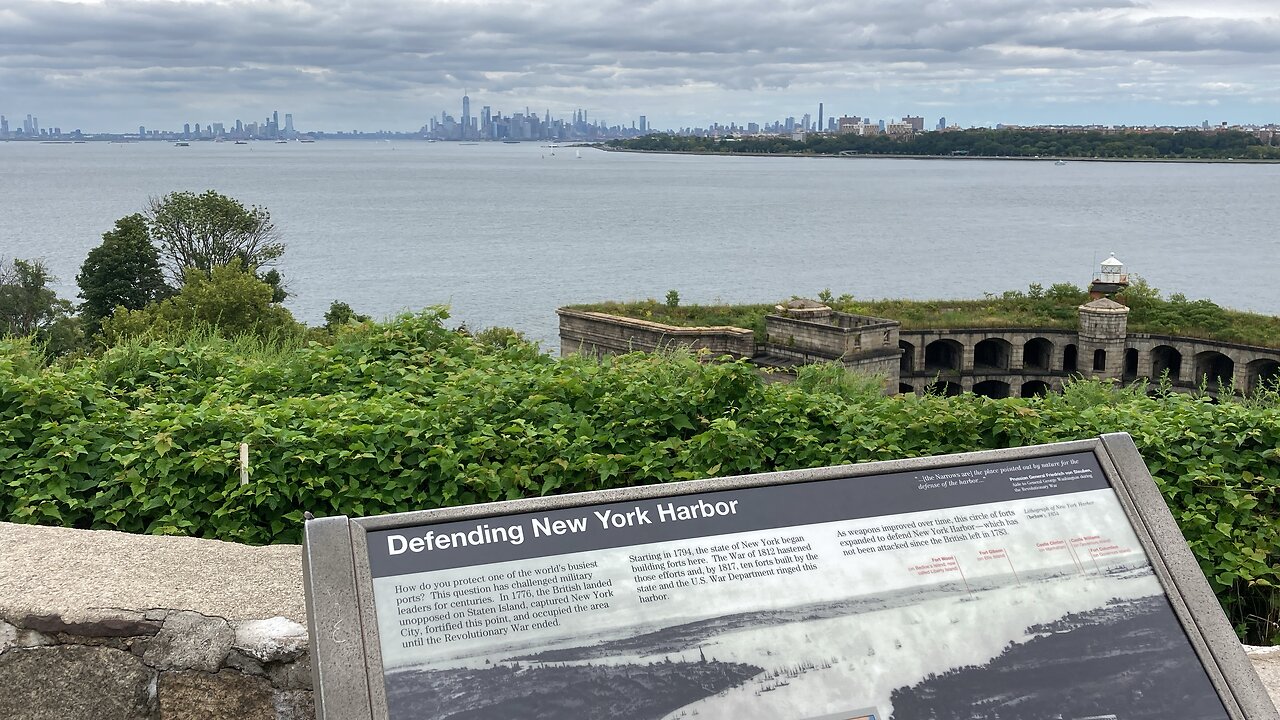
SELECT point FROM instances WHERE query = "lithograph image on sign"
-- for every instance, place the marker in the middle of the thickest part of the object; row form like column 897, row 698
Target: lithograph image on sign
column 1036, row 602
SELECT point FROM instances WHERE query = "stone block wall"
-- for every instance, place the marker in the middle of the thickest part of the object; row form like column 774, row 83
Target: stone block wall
column 108, row 626
column 838, row 337
column 601, row 334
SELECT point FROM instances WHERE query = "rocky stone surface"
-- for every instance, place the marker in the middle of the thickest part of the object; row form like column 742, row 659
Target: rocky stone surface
column 295, row 705
column 271, row 640
column 188, row 695
column 73, row 681
column 11, row 636
column 67, row 574
column 190, row 641
column 291, row 675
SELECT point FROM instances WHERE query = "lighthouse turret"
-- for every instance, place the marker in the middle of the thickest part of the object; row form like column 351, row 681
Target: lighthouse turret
column 1110, row 280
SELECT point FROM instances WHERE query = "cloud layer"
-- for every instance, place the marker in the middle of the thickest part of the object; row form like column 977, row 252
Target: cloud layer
column 391, row 64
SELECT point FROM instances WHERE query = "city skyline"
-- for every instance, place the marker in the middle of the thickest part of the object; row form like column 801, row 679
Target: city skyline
column 526, row 124
column 108, row 65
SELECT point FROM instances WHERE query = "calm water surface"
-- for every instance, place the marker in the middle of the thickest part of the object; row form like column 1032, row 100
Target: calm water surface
column 504, row 234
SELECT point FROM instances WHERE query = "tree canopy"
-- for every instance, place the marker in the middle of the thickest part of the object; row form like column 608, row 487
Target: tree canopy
column 124, row 271
column 228, row 301
column 30, row 308
column 210, row 230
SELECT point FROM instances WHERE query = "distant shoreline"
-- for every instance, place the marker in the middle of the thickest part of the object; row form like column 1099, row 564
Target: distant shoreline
column 896, row 156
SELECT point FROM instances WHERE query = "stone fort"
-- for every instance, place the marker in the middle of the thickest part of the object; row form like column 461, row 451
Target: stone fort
column 995, row 362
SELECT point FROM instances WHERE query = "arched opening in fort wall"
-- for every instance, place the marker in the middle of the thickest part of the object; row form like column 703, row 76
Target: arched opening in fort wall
column 1099, row 360
column 1035, row 388
column 1037, row 354
column 943, row 355
column 943, row 387
column 1214, row 369
column 906, row 364
column 1263, row 374
column 992, row 388
column 1069, row 358
column 1130, row 364
column 992, row 354
column 1166, row 359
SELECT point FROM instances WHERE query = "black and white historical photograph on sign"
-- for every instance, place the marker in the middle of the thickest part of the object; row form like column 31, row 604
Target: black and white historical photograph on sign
column 1028, row 609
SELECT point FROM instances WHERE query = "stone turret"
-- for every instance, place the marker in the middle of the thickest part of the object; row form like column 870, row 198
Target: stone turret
column 1104, row 328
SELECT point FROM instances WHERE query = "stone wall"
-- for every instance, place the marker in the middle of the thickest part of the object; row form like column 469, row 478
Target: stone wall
column 840, row 337
column 99, row 625
column 601, row 334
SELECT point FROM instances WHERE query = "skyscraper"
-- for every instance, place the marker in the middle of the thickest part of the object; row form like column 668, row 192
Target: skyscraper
column 466, row 114
column 4, row 126
column 644, row 124
column 820, row 128
column 288, row 124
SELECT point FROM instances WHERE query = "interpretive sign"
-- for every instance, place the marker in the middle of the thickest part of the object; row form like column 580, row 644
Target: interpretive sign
column 1035, row 583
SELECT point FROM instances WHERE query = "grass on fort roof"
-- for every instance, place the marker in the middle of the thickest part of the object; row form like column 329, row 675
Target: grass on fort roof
column 1036, row 307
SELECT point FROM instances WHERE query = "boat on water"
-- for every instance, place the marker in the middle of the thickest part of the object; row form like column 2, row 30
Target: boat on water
column 510, row 142
column 1061, row 162
column 242, row 142
column 282, row 142
column 306, row 140
column 182, row 143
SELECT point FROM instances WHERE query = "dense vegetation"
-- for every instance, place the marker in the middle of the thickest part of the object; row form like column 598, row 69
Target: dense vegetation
column 409, row 414
column 189, row 261
column 1189, row 145
column 1053, row 307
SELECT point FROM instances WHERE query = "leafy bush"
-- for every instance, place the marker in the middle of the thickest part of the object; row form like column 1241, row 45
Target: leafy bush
column 228, row 298
column 409, row 415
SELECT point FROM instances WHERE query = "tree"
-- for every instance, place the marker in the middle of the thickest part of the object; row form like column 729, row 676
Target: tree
column 211, row 230
column 228, row 300
column 340, row 314
column 124, row 271
column 29, row 308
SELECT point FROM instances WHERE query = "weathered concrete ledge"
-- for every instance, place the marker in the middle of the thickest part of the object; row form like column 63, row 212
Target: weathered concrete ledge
column 602, row 334
column 97, row 624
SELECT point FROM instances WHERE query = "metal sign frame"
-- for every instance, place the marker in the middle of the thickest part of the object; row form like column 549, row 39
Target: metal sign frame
column 347, row 661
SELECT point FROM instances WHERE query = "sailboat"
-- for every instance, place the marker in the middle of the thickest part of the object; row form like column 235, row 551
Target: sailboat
column 578, row 153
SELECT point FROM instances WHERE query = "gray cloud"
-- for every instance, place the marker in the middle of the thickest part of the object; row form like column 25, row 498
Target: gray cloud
column 114, row 64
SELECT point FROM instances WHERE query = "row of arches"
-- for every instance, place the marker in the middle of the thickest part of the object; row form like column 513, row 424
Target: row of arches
column 996, row 355
column 1210, row 366
column 990, row 354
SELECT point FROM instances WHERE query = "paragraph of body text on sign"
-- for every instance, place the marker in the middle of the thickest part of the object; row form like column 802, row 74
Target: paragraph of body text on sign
column 498, row 604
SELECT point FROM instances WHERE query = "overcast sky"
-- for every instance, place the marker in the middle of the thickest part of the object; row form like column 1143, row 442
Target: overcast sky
column 391, row 64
